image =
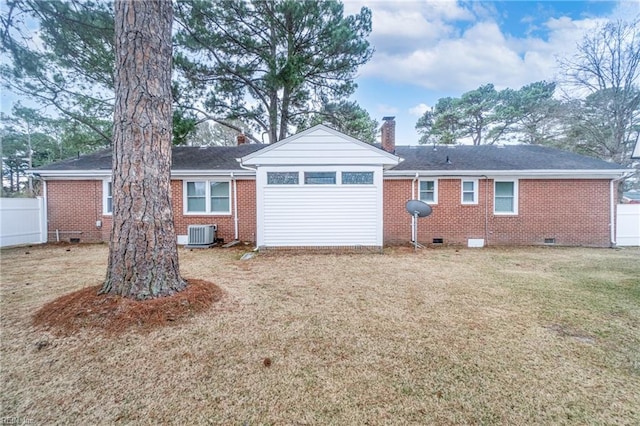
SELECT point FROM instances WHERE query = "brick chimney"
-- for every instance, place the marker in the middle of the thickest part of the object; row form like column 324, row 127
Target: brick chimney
column 389, row 134
column 242, row 139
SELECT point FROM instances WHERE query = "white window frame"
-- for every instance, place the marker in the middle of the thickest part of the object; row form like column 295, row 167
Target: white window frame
column 435, row 191
column 282, row 184
column 515, row 197
column 373, row 177
column 336, row 178
column 207, row 212
column 475, row 191
column 105, row 197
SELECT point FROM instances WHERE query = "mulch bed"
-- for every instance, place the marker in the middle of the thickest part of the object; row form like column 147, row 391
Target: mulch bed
column 85, row 309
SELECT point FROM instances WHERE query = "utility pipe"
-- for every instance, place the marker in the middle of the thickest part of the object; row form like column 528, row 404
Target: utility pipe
column 235, row 207
column 413, row 217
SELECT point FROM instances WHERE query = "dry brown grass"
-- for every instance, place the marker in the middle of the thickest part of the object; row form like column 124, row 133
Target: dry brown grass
column 512, row 336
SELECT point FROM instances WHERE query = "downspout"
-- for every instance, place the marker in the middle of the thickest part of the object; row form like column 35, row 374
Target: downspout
column 235, row 207
column 45, row 219
column 239, row 160
column 413, row 218
column 486, row 210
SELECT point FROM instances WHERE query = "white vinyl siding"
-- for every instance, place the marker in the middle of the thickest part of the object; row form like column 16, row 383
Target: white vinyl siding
column 505, row 197
column 321, row 214
column 429, row 191
column 207, row 197
column 337, row 200
column 320, row 146
column 469, row 189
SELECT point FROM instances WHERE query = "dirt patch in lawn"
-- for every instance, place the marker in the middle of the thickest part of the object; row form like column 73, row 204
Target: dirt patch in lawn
column 85, row 309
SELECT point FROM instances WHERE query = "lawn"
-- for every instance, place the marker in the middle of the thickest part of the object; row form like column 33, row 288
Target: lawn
column 512, row 336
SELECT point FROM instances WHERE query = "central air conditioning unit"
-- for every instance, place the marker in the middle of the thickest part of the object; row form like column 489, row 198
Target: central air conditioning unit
column 202, row 235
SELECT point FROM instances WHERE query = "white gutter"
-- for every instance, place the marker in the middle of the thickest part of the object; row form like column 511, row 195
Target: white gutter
column 102, row 173
column 558, row 174
column 73, row 174
column 194, row 173
column 239, row 160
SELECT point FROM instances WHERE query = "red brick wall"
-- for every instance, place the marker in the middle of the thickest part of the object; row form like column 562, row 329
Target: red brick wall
column 76, row 205
column 246, row 213
column 573, row 211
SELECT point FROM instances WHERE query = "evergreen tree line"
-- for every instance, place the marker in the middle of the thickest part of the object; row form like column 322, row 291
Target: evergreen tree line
column 270, row 68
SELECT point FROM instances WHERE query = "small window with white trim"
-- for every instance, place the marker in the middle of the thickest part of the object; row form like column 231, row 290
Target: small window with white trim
column 207, row 197
column 357, row 178
column 319, row 178
column 429, row 191
column 107, row 197
column 282, row 178
column 505, row 197
column 469, row 190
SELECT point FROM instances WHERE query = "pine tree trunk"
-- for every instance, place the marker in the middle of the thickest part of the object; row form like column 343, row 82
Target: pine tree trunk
column 143, row 257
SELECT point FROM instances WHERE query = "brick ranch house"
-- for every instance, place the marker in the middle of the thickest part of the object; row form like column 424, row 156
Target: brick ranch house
column 321, row 188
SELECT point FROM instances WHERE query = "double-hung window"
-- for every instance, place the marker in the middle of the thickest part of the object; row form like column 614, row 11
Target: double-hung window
column 469, row 191
column 107, row 197
column 505, row 197
column 429, row 191
column 207, row 197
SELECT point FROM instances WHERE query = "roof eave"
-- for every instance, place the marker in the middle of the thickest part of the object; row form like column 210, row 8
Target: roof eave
column 557, row 174
column 213, row 173
column 104, row 173
column 71, row 174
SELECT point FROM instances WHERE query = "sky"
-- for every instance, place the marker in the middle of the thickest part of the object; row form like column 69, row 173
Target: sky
column 426, row 50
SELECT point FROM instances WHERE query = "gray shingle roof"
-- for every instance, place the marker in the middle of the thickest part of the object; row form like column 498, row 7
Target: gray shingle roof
column 492, row 157
column 184, row 158
column 461, row 157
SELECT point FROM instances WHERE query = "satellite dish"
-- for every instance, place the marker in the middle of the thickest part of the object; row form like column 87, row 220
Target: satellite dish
column 418, row 208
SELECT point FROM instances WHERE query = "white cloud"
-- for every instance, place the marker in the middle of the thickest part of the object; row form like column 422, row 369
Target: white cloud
column 452, row 47
column 419, row 110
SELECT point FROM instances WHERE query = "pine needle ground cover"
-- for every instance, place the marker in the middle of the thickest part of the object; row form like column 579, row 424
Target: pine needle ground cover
column 527, row 335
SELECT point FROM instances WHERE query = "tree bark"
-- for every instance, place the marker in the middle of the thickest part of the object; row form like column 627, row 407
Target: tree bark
column 143, row 256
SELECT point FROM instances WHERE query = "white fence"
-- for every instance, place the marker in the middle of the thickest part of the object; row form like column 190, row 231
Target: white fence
column 22, row 221
column 628, row 225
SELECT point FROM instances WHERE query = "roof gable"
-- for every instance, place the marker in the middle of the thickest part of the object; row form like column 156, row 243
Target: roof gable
column 320, row 145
